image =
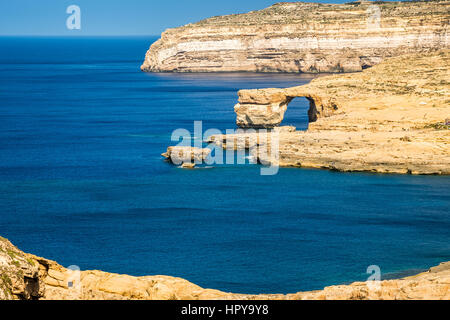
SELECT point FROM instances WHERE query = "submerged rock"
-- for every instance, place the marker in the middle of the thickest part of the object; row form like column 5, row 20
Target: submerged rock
column 188, row 165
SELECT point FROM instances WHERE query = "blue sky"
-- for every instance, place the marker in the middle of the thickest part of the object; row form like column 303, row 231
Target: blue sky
column 115, row 17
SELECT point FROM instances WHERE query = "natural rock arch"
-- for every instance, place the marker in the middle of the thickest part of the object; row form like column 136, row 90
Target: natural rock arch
column 299, row 114
column 265, row 108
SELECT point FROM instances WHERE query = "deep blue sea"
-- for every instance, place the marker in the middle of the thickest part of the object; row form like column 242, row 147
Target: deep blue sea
column 82, row 181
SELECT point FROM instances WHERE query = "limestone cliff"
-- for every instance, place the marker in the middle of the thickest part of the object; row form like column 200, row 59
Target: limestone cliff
column 303, row 37
column 392, row 118
column 27, row 277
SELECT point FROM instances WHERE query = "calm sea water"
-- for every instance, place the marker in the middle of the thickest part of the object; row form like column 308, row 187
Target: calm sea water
column 82, row 181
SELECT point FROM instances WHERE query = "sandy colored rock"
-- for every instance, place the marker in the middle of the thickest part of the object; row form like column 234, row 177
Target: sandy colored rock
column 390, row 118
column 303, row 37
column 188, row 165
column 18, row 274
column 186, row 155
column 260, row 115
column 25, row 276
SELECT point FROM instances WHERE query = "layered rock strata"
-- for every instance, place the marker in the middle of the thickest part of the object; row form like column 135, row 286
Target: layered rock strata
column 28, row 277
column 388, row 119
column 303, row 37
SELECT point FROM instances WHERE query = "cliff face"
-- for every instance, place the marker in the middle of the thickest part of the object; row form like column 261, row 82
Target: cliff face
column 303, row 37
column 392, row 118
column 25, row 276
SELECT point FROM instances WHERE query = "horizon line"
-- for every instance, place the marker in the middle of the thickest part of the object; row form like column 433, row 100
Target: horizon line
column 78, row 36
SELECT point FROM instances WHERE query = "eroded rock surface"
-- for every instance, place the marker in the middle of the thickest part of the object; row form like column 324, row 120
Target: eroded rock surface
column 25, row 276
column 260, row 115
column 303, row 37
column 186, row 156
column 388, row 119
column 18, row 274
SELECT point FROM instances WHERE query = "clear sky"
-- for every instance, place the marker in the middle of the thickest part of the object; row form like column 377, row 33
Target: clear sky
column 116, row 17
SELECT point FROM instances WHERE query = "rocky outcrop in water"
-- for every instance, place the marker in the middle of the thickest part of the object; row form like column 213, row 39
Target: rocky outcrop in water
column 28, row 277
column 388, row 119
column 303, row 37
column 186, row 156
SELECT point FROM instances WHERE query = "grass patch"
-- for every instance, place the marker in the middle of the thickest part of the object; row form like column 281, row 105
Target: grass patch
column 438, row 126
column 30, row 261
column 11, row 253
column 6, row 280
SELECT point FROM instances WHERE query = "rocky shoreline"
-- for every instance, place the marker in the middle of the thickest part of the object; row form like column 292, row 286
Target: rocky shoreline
column 391, row 118
column 303, row 37
column 28, row 277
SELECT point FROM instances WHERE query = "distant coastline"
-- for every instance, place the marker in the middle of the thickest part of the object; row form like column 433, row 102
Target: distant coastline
column 303, row 37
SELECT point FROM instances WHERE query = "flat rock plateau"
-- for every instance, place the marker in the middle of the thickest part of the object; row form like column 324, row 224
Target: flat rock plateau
column 303, row 37
column 27, row 277
column 391, row 118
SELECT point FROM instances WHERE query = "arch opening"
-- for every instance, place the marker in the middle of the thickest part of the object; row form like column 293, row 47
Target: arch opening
column 301, row 111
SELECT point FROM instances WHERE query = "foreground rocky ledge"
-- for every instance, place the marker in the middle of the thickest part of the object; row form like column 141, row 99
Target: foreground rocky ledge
column 303, row 37
column 25, row 276
column 391, row 118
